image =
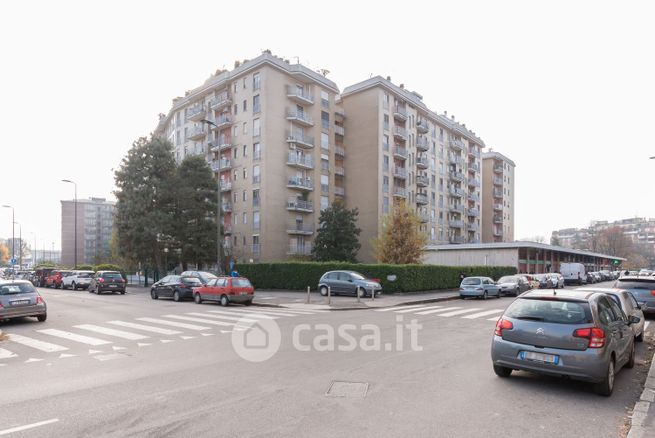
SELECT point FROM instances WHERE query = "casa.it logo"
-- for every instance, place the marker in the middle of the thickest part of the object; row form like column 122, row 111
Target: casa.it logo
column 256, row 340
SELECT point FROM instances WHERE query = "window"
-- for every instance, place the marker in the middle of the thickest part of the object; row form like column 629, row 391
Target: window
column 236, row 153
column 256, row 82
column 325, row 203
column 256, row 128
column 325, row 120
column 386, row 122
column 255, row 220
column 385, row 163
column 245, row 220
column 245, row 174
column 441, row 134
column 256, row 151
column 325, row 141
column 385, row 100
column 385, row 205
column 325, row 183
column 236, row 109
column 255, row 197
column 245, row 195
column 385, row 184
column 235, row 86
column 236, row 175
column 256, row 177
column 256, row 108
column 244, row 83
column 325, row 164
column 235, row 197
column 235, row 131
column 245, row 105
column 236, row 222
column 325, row 100
column 385, row 142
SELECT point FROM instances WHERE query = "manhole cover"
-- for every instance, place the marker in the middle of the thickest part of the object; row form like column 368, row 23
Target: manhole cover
column 347, row 389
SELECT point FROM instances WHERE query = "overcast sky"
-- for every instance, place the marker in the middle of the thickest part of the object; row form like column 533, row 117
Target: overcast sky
column 564, row 88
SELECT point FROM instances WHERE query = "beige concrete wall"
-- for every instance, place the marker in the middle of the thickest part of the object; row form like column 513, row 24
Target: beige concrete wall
column 487, row 200
column 473, row 257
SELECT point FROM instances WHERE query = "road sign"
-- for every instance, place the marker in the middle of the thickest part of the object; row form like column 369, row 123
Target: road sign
column 12, row 261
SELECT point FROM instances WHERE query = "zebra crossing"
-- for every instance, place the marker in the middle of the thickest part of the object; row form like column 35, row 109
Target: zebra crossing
column 444, row 311
column 113, row 335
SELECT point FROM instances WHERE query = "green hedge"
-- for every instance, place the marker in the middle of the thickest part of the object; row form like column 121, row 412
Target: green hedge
column 409, row 278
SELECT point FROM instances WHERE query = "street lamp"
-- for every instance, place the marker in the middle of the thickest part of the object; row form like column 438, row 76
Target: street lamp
column 75, row 184
column 13, row 236
column 20, row 245
column 219, row 237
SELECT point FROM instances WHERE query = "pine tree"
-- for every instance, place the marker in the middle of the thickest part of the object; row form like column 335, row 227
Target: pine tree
column 337, row 236
column 400, row 242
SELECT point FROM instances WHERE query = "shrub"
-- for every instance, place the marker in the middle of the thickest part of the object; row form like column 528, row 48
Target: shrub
column 86, row 268
column 409, row 278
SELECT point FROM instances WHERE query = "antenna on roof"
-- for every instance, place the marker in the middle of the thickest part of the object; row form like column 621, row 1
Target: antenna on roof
column 297, row 59
column 324, row 71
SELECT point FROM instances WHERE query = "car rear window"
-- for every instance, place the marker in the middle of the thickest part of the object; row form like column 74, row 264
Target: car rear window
column 467, row 281
column 551, row 311
column 507, row 279
column 84, row 275
column 112, row 276
column 240, row 282
column 635, row 284
column 191, row 281
column 16, row 288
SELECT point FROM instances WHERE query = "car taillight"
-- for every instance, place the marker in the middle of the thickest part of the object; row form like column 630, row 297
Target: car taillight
column 652, row 292
column 595, row 336
column 503, row 324
column 101, row 280
column 39, row 299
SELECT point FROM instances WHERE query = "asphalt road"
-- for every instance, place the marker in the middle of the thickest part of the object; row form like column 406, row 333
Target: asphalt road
column 158, row 378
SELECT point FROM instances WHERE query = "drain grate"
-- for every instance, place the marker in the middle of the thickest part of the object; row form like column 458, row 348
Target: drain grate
column 347, row 389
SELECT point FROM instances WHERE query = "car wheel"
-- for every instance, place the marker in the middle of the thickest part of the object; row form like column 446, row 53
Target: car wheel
column 324, row 291
column 631, row 360
column 224, row 301
column 502, row 371
column 607, row 385
column 197, row 298
column 63, row 286
column 123, row 292
column 176, row 296
column 42, row 318
column 74, row 286
column 485, row 295
column 497, row 294
column 248, row 303
column 153, row 294
column 640, row 338
column 361, row 292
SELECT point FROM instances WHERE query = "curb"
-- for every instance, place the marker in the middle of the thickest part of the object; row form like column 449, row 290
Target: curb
column 352, row 307
column 638, row 427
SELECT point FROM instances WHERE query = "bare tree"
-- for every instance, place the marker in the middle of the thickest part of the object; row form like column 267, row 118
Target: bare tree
column 612, row 241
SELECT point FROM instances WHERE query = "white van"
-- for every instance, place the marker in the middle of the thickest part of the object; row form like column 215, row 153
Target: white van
column 573, row 273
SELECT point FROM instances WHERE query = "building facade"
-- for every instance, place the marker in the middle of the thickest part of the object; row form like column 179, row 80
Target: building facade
column 638, row 230
column 497, row 198
column 95, row 219
column 401, row 151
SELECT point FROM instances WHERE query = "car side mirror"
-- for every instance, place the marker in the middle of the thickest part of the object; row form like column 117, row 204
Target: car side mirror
column 633, row 319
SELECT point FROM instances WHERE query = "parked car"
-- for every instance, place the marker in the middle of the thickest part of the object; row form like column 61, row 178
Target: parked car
column 641, row 288
column 203, row 276
column 544, row 281
column 598, row 277
column 174, row 286
column 40, row 276
column 225, row 290
column 19, row 298
column 478, row 287
column 585, row 337
column 591, row 278
column 77, row 280
column 557, row 280
column 534, row 283
column 627, row 303
column 573, row 273
column 513, row 285
column 55, row 278
column 107, row 281
column 348, row 283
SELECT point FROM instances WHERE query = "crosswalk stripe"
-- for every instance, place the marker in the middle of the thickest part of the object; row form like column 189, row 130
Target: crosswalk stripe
column 74, row 337
column 145, row 328
column 485, row 313
column 428, row 312
column 388, row 309
column 458, row 312
column 6, row 354
column 265, row 312
column 35, row 343
column 111, row 332
column 250, row 315
column 419, row 309
column 495, row 318
column 298, row 311
column 174, row 324
column 229, row 318
column 201, row 320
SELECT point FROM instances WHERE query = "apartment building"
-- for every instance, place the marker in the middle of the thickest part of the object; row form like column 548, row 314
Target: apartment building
column 497, row 198
column 273, row 134
column 401, row 151
column 95, row 219
column 638, row 230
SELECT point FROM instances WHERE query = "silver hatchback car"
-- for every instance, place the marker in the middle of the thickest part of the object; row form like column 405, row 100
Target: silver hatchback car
column 584, row 336
column 19, row 298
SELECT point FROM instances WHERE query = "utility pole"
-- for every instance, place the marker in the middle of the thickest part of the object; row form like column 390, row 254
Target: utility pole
column 20, row 245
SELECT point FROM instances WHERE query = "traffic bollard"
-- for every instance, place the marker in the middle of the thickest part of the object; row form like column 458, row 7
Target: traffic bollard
column 329, row 296
column 358, row 300
column 372, row 294
column 307, row 300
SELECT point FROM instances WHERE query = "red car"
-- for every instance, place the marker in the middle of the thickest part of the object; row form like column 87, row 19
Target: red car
column 55, row 278
column 225, row 290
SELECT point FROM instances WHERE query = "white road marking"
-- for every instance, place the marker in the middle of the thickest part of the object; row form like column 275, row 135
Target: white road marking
column 111, row 332
column 418, row 309
column 389, row 309
column 229, row 318
column 202, row 320
column 111, row 356
column 429, row 312
column 265, row 312
column 207, row 334
column 458, row 312
column 293, row 310
column 174, row 324
column 145, row 328
column 495, row 318
column 94, row 351
column 31, row 359
column 74, row 337
column 485, row 313
column 27, row 426
column 6, row 354
column 251, row 315
column 646, row 324
column 166, row 341
column 65, row 355
column 35, row 343
column 187, row 337
column 118, row 348
column 142, row 344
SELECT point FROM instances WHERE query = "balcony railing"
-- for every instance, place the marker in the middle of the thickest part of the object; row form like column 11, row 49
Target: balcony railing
column 226, row 207
column 227, row 229
column 497, row 193
column 422, row 144
column 400, row 133
column 456, row 144
column 400, row 172
column 340, row 151
column 457, row 176
column 457, row 208
column 196, row 113
column 338, row 170
column 400, row 112
column 422, row 162
column 498, row 219
column 456, row 224
column 424, row 217
column 197, row 133
column 301, row 140
column 298, row 160
column 223, row 121
column 300, row 228
column 498, row 233
column 422, row 181
column 339, row 130
column 474, row 167
column 300, row 250
column 400, row 152
column 399, row 192
column 296, row 182
column 456, row 192
column 340, row 191
column 498, row 168
column 220, row 101
column 498, row 207
column 455, row 159
column 422, row 126
column 421, row 198
column 473, row 197
column 497, row 181
column 222, row 143
column 474, row 152
column 472, row 226
column 300, row 117
column 226, row 186
column 473, row 212
column 457, row 239
column 474, row 182
column 299, row 95
column 300, row 205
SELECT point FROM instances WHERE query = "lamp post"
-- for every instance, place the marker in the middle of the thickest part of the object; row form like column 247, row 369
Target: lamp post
column 20, row 245
column 165, row 261
column 13, row 236
column 34, row 250
column 75, row 184
column 219, row 232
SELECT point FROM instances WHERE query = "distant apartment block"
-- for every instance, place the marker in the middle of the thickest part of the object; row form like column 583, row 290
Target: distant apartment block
column 95, row 219
column 497, row 198
column 638, row 230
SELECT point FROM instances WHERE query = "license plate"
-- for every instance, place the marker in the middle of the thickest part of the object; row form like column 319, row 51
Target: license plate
column 244, row 293
column 19, row 302
column 112, row 285
column 539, row 357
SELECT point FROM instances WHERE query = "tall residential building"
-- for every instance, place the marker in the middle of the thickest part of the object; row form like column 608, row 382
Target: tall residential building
column 273, row 135
column 497, row 198
column 95, row 219
column 400, row 150
column 638, row 230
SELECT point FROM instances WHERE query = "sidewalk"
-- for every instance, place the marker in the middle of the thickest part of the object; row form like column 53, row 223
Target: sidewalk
column 643, row 415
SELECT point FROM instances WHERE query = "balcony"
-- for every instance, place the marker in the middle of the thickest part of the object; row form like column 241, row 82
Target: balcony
column 498, row 207
column 301, row 161
column 300, row 205
column 422, row 126
column 456, row 176
column 422, row 181
column 223, row 121
column 299, row 117
column 300, row 228
column 457, row 239
column 473, row 152
column 338, row 170
column 498, row 219
column 400, row 133
column 196, row 113
column 497, row 193
column 399, row 112
column 456, row 192
column 400, row 152
column 222, row 143
column 400, row 172
column 457, row 208
column 456, row 144
column 226, row 207
column 299, row 95
column 197, row 133
column 498, row 168
column 422, row 162
column 456, row 224
column 227, row 229
column 473, row 197
column 226, row 186
column 474, row 212
column 472, row 182
column 456, row 159
column 422, row 144
column 497, row 181
column 472, row 226
column 338, row 112
column 399, row 192
column 474, row 167
column 299, row 250
column 421, row 198
column 299, row 183
column 340, row 151
column 424, row 217
column 220, row 101
column 340, row 191
column 300, row 140
column 339, row 130
column 498, row 233
column 221, row 165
